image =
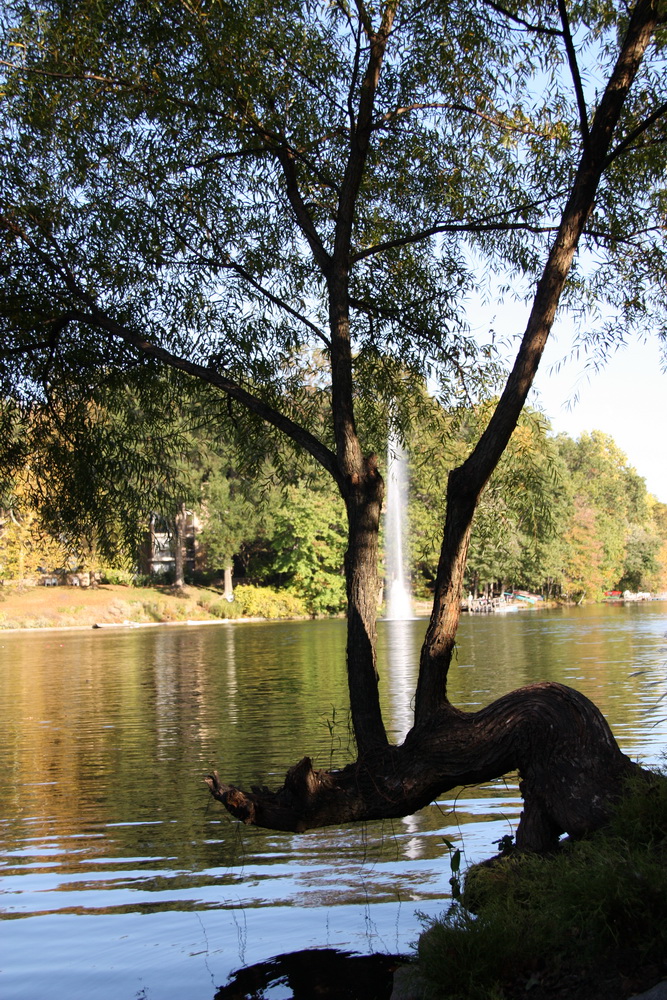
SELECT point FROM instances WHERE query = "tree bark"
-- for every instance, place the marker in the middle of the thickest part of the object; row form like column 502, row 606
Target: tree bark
column 364, row 504
column 570, row 766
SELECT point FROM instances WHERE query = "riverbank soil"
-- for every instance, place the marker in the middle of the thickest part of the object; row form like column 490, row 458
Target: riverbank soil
column 110, row 604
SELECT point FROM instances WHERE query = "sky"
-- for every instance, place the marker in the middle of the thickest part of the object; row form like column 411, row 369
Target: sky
column 627, row 399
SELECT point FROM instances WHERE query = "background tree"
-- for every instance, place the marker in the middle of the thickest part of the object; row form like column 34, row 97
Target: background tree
column 521, row 515
column 215, row 188
column 641, row 560
column 229, row 519
column 26, row 550
column 613, row 542
column 309, row 542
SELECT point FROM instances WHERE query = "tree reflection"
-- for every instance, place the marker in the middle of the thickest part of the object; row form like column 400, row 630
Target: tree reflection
column 316, row 972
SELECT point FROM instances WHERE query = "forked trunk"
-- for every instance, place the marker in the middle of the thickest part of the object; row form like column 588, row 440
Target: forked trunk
column 570, row 766
column 571, row 770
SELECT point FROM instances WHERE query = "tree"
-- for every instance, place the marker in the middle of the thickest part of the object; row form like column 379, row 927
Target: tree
column 229, row 519
column 25, row 550
column 613, row 542
column 309, row 542
column 641, row 559
column 522, row 514
column 218, row 188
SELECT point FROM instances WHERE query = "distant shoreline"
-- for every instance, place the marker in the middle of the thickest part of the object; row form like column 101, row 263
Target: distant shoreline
column 130, row 626
column 108, row 606
column 118, row 608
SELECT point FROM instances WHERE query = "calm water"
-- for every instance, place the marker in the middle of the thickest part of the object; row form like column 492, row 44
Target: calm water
column 121, row 878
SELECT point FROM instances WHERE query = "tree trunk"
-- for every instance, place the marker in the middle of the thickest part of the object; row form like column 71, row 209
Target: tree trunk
column 364, row 504
column 179, row 548
column 440, row 636
column 570, row 767
column 228, row 583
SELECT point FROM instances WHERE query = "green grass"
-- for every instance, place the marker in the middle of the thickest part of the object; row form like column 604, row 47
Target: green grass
column 597, row 904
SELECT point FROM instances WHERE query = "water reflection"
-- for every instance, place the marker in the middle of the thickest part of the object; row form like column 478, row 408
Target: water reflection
column 119, row 874
column 399, row 644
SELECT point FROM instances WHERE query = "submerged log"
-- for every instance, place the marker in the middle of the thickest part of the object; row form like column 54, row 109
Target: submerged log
column 571, row 770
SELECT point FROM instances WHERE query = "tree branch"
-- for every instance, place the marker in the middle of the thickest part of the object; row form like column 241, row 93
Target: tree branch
column 285, row 156
column 364, row 18
column 537, row 28
column 626, row 143
column 360, row 135
column 302, row 437
column 505, row 126
column 353, row 79
column 17, row 352
column 277, row 301
column 451, row 227
column 631, row 239
column 467, row 481
column 96, row 318
column 227, row 263
column 574, row 72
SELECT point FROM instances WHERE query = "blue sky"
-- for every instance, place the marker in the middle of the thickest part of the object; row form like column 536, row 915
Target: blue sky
column 627, row 399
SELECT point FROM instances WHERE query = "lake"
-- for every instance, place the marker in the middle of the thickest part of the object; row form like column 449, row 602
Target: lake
column 121, row 878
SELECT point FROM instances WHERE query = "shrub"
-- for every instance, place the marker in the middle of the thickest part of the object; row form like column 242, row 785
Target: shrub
column 264, row 602
column 117, row 577
column 222, row 609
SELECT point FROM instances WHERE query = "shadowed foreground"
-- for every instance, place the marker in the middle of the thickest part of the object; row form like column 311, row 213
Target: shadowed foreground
column 324, row 972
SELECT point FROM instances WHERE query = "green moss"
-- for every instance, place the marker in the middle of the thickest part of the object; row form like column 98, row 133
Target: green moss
column 600, row 902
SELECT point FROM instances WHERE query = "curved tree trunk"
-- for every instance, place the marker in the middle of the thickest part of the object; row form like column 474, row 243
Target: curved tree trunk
column 570, row 766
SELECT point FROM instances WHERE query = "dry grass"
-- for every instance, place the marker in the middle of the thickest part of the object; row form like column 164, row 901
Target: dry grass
column 114, row 604
column 71, row 607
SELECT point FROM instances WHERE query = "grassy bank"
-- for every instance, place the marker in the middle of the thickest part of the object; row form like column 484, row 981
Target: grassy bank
column 588, row 923
column 109, row 604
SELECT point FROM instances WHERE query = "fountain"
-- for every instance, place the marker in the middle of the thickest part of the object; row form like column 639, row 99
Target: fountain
column 399, row 601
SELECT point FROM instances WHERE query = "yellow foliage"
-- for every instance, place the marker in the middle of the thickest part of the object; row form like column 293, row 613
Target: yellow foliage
column 26, row 549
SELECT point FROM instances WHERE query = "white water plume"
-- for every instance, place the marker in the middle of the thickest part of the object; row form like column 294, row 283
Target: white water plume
column 399, row 600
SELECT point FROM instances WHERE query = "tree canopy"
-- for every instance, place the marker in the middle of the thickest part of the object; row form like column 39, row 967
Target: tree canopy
column 181, row 179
